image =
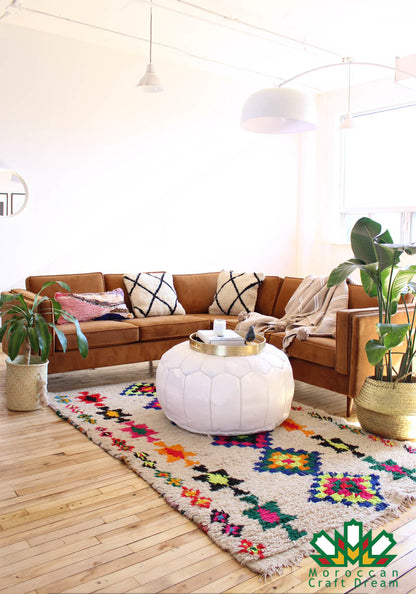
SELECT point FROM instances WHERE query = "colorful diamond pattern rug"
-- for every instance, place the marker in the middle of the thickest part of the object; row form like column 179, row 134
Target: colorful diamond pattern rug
column 260, row 497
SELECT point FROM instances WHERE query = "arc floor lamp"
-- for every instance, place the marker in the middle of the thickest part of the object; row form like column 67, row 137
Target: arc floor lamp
column 281, row 110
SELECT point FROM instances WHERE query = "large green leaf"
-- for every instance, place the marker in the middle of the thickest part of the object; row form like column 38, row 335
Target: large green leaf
column 14, row 304
column 392, row 334
column 386, row 256
column 38, row 299
column 375, row 351
column 384, row 237
column 409, row 248
column 362, row 239
column 17, row 310
column 61, row 337
column 44, row 336
column 34, row 340
column 56, row 309
column 54, row 282
column 81, row 338
column 341, row 272
column 370, row 279
column 401, row 281
column 4, row 328
column 17, row 336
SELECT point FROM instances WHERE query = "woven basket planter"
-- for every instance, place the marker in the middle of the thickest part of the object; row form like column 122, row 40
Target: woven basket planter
column 387, row 409
column 26, row 385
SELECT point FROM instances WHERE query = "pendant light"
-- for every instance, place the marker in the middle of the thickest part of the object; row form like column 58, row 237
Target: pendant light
column 150, row 82
column 285, row 110
column 279, row 111
column 347, row 122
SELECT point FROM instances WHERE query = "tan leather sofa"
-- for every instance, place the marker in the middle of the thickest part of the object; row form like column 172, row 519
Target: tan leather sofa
column 338, row 364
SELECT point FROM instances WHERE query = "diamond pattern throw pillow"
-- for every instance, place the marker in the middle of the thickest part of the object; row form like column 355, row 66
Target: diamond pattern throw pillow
column 152, row 294
column 236, row 292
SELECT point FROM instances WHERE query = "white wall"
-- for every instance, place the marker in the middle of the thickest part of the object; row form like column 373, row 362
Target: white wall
column 122, row 180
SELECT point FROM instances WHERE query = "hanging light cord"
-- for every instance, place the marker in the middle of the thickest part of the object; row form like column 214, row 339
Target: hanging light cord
column 349, row 88
column 151, row 33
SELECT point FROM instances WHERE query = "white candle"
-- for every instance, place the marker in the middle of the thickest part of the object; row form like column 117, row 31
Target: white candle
column 219, row 327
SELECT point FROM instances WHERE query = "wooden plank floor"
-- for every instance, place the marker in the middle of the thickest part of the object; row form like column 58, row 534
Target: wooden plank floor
column 75, row 520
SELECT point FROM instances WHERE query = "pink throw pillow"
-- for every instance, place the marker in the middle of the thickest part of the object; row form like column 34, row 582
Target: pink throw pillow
column 92, row 306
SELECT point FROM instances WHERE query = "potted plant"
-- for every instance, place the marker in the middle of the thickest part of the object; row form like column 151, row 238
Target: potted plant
column 25, row 326
column 386, row 404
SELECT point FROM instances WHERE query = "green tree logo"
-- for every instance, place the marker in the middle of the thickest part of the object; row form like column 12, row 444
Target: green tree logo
column 353, row 547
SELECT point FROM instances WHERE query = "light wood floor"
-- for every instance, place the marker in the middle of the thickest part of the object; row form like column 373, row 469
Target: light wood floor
column 74, row 519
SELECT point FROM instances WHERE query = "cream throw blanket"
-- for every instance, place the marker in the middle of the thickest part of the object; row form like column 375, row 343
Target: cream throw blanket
column 311, row 311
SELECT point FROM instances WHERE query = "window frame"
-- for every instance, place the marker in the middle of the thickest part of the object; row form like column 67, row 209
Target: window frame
column 407, row 213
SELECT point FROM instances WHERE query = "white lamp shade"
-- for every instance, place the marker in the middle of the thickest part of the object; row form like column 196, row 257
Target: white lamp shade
column 279, row 111
column 150, row 82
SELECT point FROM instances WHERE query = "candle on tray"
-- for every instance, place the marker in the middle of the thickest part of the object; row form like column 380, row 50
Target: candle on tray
column 219, row 327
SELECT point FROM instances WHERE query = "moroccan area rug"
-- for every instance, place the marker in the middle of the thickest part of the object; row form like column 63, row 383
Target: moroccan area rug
column 260, row 497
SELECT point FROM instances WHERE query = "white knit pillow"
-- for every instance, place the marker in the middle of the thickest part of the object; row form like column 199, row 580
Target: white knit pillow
column 152, row 294
column 236, row 292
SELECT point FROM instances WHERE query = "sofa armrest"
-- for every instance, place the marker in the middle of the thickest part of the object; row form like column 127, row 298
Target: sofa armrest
column 355, row 327
column 28, row 296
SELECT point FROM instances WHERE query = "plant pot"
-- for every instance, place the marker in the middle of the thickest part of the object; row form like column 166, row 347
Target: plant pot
column 26, row 385
column 387, row 409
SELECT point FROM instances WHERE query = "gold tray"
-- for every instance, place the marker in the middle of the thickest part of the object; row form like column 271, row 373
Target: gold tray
column 223, row 350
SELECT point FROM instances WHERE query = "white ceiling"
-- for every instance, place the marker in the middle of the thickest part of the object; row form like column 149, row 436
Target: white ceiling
column 274, row 38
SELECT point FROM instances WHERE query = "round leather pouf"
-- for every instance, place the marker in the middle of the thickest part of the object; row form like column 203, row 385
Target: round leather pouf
column 225, row 395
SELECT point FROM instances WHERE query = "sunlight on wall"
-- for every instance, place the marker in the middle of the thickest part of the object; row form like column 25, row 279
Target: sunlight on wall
column 121, row 180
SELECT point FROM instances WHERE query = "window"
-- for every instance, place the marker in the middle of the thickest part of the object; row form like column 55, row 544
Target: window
column 378, row 172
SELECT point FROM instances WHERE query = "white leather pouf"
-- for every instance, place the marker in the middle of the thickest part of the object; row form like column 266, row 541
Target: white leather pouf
column 225, row 395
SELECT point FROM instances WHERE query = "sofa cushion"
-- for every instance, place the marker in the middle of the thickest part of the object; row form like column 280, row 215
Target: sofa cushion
column 236, row 292
column 99, row 334
column 320, row 350
column 93, row 306
column 288, row 287
column 79, row 283
column 163, row 327
column 152, row 294
column 357, row 297
column 114, row 281
column 267, row 295
column 196, row 291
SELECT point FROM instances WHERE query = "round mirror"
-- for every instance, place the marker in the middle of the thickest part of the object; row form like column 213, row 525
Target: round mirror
column 14, row 193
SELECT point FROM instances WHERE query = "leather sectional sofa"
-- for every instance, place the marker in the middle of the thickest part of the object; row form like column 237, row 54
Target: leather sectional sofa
column 337, row 364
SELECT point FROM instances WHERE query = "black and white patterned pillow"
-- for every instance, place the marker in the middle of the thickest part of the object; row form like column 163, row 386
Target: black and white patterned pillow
column 236, row 292
column 152, row 294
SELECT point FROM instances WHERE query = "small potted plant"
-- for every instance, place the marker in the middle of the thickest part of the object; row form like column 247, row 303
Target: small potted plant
column 386, row 404
column 23, row 325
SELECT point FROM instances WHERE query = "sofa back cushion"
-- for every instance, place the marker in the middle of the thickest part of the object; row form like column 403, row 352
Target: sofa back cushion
column 115, row 281
column 267, row 295
column 90, row 282
column 288, row 287
column 357, row 298
column 196, row 291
